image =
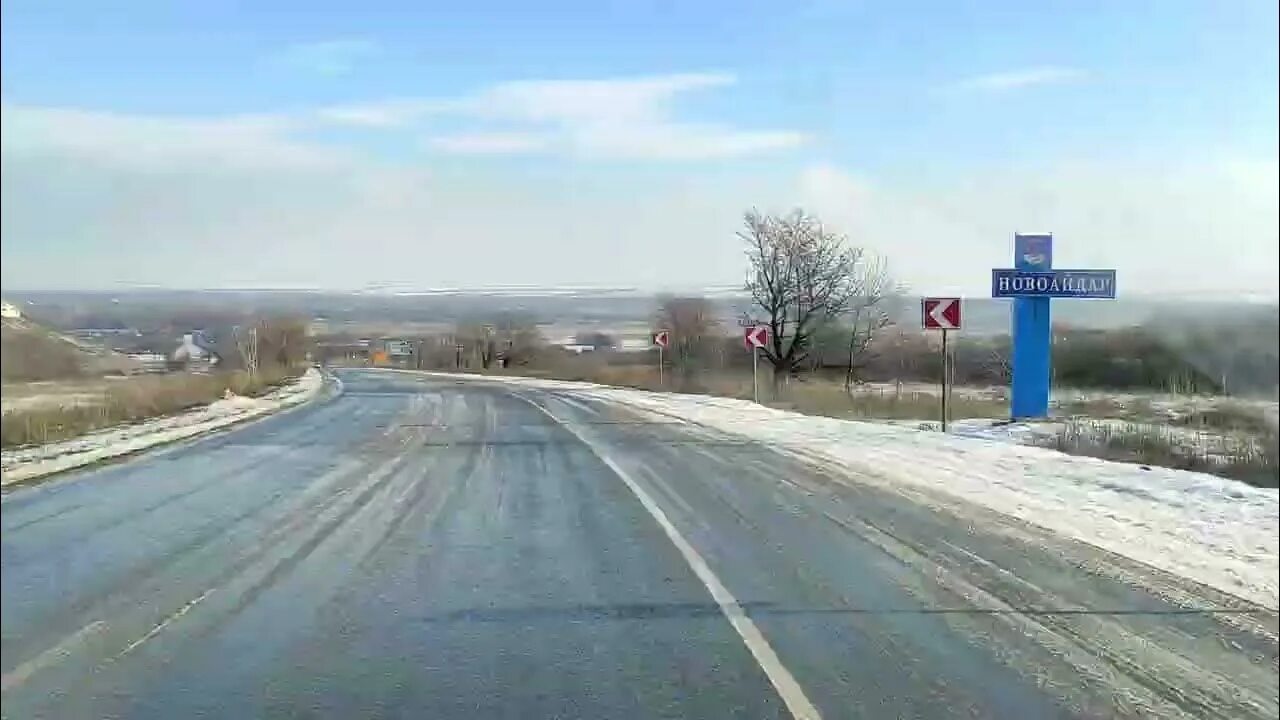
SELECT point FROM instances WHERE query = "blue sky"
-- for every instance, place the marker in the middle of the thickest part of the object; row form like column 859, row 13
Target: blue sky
column 618, row 142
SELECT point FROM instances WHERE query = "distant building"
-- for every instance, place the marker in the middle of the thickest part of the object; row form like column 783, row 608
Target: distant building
column 194, row 351
column 10, row 311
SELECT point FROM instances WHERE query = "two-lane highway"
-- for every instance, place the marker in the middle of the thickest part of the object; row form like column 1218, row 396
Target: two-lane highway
column 426, row 547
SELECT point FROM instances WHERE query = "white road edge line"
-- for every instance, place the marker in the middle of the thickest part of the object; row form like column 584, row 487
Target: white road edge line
column 784, row 682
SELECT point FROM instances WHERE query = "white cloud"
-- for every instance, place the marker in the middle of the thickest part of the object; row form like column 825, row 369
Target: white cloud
column 1018, row 79
column 91, row 196
column 328, row 57
column 152, row 141
column 589, row 101
column 99, row 199
column 1199, row 227
column 676, row 141
column 488, row 143
column 626, row 118
column 385, row 114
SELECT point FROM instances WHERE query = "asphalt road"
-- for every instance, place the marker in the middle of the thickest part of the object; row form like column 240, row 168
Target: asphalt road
column 433, row 548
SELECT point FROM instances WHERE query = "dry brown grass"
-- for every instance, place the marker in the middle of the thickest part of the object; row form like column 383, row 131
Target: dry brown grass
column 132, row 400
column 29, row 353
column 814, row 396
column 1254, row 459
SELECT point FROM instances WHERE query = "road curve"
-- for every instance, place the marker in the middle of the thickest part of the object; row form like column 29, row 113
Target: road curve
column 436, row 548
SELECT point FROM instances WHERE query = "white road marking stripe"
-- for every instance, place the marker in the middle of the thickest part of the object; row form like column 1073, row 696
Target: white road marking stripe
column 783, row 681
column 49, row 657
column 164, row 624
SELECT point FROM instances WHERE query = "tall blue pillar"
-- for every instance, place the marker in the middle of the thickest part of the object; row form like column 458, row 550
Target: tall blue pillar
column 1032, row 332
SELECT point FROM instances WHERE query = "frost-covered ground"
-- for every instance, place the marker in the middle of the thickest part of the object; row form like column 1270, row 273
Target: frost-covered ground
column 1210, row 428
column 1205, row 442
column 1149, row 406
column 1218, row 532
column 27, row 463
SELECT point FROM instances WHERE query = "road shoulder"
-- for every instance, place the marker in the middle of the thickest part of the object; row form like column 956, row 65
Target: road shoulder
column 26, row 465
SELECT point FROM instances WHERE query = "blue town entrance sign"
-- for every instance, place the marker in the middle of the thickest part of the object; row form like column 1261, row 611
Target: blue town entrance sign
column 1032, row 282
column 1054, row 284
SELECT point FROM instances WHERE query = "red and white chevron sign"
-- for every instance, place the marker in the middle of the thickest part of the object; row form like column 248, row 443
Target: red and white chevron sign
column 756, row 336
column 941, row 313
column 662, row 338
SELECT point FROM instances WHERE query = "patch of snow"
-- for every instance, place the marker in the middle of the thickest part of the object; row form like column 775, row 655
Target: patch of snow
column 917, row 389
column 1218, row 532
column 31, row 462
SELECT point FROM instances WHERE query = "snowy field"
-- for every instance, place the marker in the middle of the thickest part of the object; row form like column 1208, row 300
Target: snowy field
column 1218, row 532
column 26, row 463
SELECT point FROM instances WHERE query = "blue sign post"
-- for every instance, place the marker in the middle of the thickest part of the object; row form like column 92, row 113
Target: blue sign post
column 1032, row 282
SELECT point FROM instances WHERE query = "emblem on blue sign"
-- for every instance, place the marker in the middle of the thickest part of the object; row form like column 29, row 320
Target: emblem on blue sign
column 1034, row 251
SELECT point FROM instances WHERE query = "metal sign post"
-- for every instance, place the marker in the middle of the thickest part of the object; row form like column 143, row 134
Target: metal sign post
column 662, row 339
column 755, row 375
column 942, row 313
column 946, row 361
column 755, row 337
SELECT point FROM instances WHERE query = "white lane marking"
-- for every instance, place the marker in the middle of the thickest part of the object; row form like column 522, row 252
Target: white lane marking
column 784, row 682
column 163, row 624
column 24, row 671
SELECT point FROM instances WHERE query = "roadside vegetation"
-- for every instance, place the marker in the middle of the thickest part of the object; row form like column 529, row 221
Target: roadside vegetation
column 1251, row 458
column 273, row 351
column 31, row 353
column 1122, row 394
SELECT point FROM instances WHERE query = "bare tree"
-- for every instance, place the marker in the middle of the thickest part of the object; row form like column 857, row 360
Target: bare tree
column 801, row 275
column 247, row 347
column 476, row 342
column 282, row 341
column 508, row 340
column 867, row 314
column 517, row 339
column 271, row 342
column 693, row 327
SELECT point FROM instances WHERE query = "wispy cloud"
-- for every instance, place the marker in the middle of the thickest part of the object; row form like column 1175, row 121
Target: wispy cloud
column 677, row 141
column 488, row 143
column 621, row 118
column 160, row 142
column 1018, row 79
column 328, row 57
column 384, row 114
column 629, row 119
column 575, row 101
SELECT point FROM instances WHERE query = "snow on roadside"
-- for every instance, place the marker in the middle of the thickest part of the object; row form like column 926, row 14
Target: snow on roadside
column 1023, row 433
column 25, row 463
column 1215, row 531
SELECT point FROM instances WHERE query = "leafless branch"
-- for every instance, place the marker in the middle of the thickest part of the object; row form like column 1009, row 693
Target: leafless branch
column 802, row 276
